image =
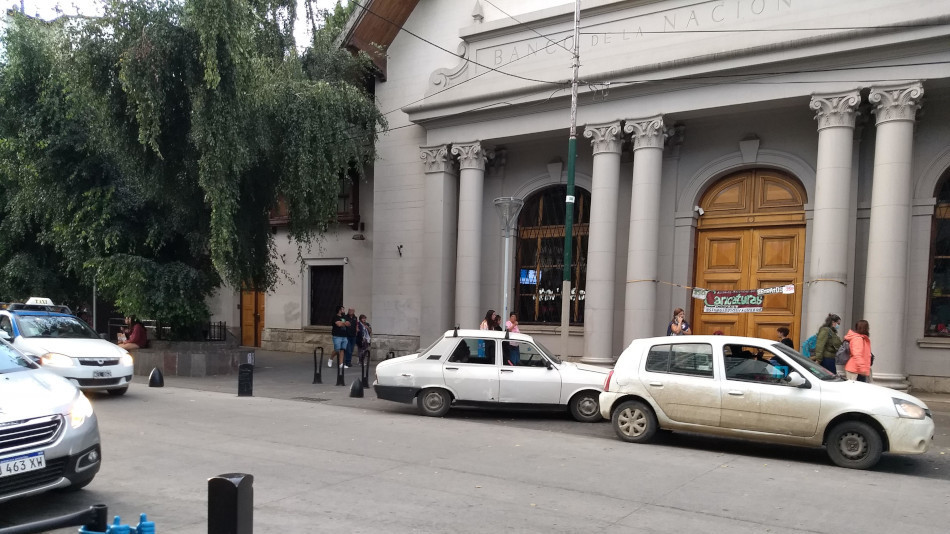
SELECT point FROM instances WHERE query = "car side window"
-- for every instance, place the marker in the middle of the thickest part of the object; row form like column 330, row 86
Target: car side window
column 473, row 350
column 530, row 356
column 6, row 326
column 755, row 364
column 693, row 359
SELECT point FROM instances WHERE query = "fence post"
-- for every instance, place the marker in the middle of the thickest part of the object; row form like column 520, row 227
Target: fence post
column 231, row 504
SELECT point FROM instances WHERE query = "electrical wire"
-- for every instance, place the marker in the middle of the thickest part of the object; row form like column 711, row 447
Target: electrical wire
column 489, row 2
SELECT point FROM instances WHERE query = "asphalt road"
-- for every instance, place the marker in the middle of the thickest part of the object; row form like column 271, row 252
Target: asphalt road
column 325, row 462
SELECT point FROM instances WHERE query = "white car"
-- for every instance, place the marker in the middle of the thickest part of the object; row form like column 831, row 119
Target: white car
column 64, row 345
column 759, row 390
column 479, row 368
column 49, row 435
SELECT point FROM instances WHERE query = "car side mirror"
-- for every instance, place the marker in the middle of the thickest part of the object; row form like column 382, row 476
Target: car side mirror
column 548, row 364
column 795, row 380
column 5, row 335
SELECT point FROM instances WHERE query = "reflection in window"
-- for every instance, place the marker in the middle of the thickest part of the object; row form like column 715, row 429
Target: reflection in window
column 540, row 256
column 938, row 298
column 683, row 358
column 474, row 351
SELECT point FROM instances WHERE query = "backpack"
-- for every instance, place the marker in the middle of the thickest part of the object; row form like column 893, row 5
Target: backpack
column 843, row 354
column 809, row 346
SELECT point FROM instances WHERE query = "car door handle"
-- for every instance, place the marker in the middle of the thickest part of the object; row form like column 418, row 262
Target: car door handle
column 507, row 370
column 407, row 375
column 451, row 368
column 737, row 393
column 656, row 384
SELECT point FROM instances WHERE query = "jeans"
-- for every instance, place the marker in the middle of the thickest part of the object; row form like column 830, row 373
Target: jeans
column 829, row 364
column 514, row 355
column 348, row 353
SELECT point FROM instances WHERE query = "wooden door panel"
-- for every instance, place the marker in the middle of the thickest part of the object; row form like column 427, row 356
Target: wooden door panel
column 260, row 318
column 247, row 318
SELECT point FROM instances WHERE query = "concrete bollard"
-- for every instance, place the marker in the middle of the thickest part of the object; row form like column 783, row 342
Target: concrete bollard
column 155, row 379
column 231, row 504
column 356, row 389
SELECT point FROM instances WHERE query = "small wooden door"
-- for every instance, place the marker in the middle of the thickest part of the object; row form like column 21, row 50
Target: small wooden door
column 752, row 236
column 252, row 318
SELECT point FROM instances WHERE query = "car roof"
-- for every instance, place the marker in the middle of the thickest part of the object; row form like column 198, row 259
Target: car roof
column 497, row 334
column 38, row 312
column 712, row 339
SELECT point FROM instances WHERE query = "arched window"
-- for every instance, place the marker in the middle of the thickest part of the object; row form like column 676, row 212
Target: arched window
column 540, row 256
column 938, row 299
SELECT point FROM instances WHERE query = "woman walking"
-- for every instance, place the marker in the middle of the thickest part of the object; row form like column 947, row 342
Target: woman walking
column 859, row 342
column 827, row 343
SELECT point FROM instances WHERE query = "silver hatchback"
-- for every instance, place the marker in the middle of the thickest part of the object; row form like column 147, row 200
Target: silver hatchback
column 49, row 435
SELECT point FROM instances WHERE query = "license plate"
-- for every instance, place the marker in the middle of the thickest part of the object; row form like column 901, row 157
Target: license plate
column 22, row 464
column 102, row 374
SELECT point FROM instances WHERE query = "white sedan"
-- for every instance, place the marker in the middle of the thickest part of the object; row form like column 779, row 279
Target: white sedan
column 483, row 368
column 760, row 390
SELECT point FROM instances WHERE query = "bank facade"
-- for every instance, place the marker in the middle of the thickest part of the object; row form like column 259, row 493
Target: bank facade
column 722, row 145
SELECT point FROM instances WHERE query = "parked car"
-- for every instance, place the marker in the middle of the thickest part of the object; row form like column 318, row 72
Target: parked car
column 65, row 345
column 478, row 368
column 759, row 390
column 49, row 435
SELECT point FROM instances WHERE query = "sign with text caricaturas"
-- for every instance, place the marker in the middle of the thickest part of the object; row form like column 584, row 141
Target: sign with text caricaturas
column 738, row 300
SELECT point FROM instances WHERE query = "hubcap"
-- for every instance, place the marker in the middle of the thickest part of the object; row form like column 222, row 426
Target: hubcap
column 433, row 401
column 853, row 445
column 632, row 422
column 587, row 406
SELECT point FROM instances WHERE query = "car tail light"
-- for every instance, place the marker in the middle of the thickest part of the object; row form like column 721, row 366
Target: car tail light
column 607, row 382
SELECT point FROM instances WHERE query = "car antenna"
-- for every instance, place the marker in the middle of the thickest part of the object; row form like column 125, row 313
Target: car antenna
column 507, row 334
column 456, row 331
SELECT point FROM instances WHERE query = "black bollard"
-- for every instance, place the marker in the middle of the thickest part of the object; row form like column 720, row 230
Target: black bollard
column 356, row 389
column 318, row 367
column 155, row 379
column 246, row 380
column 231, row 504
column 339, row 373
column 364, row 371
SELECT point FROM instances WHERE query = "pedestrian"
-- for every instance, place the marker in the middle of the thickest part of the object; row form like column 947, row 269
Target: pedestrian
column 783, row 332
column 351, row 322
column 827, row 343
column 364, row 338
column 136, row 338
column 514, row 352
column 859, row 345
column 338, row 331
column 678, row 326
column 491, row 321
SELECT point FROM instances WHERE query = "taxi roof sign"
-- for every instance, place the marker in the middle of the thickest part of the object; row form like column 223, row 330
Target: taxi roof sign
column 40, row 301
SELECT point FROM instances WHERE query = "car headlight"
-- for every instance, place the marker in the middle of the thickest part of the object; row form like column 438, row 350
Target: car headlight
column 53, row 359
column 79, row 411
column 909, row 409
column 125, row 359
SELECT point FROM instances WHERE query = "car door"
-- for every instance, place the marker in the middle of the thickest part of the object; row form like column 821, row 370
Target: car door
column 680, row 377
column 533, row 380
column 472, row 370
column 755, row 395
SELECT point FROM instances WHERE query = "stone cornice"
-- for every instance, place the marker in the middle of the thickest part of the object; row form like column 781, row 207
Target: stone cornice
column 605, row 138
column 472, row 155
column 896, row 102
column 836, row 110
column 435, row 158
column 647, row 133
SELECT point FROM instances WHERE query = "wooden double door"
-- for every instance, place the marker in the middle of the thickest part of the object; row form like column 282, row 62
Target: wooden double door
column 252, row 317
column 752, row 236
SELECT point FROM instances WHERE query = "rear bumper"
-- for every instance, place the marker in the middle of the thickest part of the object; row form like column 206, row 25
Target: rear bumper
column 404, row 394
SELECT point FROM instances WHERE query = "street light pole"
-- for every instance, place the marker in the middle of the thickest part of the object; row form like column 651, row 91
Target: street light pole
column 508, row 210
column 569, row 200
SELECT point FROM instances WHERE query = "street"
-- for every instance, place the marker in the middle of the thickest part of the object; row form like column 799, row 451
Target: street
column 332, row 463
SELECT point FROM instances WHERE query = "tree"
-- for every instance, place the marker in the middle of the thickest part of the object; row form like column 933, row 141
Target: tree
column 146, row 148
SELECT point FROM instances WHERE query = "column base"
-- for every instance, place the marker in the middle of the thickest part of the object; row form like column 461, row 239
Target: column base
column 891, row 380
column 599, row 361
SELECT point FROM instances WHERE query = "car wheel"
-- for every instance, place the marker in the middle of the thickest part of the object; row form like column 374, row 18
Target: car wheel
column 118, row 392
column 854, row 445
column 585, row 407
column 434, row 402
column 635, row 422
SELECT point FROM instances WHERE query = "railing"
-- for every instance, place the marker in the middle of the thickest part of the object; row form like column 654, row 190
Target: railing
column 214, row 331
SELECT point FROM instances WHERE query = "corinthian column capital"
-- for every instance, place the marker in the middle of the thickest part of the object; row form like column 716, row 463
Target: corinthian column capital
column 896, row 102
column 472, row 155
column 647, row 133
column 604, row 137
column 836, row 109
column 435, row 158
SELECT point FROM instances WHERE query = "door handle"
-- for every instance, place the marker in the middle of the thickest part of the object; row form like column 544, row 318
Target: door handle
column 656, row 384
column 407, row 375
column 507, row 370
column 737, row 393
column 451, row 368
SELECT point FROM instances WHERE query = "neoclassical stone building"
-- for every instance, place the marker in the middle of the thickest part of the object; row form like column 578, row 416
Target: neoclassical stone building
column 728, row 144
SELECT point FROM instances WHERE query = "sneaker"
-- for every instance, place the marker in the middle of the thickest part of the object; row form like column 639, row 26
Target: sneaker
column 346, row 366
column 329, row 363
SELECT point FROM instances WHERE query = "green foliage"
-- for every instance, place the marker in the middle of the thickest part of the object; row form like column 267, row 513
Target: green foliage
column 145, row 148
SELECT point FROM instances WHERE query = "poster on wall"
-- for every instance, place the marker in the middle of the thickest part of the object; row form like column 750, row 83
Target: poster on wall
column 738, row 300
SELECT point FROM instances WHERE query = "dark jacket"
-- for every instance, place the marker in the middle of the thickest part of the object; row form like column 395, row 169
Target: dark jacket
column 827, row 344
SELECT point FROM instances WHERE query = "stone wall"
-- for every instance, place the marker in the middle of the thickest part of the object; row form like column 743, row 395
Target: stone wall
column 306, row 341
column 189, row 358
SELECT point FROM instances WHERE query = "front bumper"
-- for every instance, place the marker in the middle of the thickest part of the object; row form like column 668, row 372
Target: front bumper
column 88, row 378
column 908, row 436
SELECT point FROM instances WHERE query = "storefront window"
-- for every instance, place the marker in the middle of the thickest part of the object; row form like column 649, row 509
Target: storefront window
column 540, row 256
column 938, row 301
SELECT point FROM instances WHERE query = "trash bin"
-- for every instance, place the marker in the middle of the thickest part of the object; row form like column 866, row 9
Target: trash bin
column 246, row 380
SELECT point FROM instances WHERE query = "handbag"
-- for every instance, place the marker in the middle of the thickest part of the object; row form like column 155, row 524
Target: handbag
column 843, row 354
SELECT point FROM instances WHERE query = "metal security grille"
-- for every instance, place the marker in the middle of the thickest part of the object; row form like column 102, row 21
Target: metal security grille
column 29, row 433
column 326, row 293
column 540, row 257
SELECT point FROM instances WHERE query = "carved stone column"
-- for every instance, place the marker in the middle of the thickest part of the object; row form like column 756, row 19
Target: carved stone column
column 830, row 238
column 602, row 243
column 468, row 277
column 885, row 292
column 439, row 238
column 643, row 250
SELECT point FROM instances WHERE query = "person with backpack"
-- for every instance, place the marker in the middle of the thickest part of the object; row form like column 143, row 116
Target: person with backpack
column 364, row 333
column 858, row 366
column 827, row 343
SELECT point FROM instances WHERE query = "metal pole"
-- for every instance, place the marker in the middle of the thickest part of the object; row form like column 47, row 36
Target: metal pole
column 94, row 324
column 504, row 277
column 569, row 200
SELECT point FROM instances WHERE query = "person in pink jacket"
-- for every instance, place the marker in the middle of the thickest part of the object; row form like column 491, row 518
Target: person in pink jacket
column 859, row 341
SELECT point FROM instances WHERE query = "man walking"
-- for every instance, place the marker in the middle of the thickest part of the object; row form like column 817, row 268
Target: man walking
column 338, row 331
column 351, row 321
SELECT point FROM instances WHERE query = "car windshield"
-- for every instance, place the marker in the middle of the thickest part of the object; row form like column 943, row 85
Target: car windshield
column 54, row 326
column 812, row 367
column 551, row 356
column 12, row 360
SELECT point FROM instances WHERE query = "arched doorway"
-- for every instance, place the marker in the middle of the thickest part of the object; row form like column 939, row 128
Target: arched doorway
column 752, row 235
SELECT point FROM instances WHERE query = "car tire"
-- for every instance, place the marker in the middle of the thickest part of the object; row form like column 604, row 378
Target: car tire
column 854, row 445
column 634, row 421
column 118, row 392
column 585, row 407
column 434, row 402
